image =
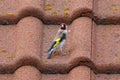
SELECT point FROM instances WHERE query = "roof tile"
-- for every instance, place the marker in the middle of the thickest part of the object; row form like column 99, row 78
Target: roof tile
column 28, row 27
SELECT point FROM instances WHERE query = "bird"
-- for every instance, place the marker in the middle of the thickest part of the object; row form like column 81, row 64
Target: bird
column 59, row 40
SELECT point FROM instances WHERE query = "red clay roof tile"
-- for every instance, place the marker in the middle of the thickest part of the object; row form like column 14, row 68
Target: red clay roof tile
column 28, row 27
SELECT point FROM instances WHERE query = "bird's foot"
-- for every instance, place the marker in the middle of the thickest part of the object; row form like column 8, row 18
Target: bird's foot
column 63, row 54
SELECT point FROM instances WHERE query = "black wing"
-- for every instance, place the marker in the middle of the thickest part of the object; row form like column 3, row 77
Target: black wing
column 53, row 43
column 63, row 37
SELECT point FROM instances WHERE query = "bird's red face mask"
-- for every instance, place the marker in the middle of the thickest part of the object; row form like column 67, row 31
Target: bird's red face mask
column 63, row 26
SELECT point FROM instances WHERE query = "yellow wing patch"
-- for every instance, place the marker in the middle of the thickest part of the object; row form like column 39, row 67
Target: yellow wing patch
column 57, row 42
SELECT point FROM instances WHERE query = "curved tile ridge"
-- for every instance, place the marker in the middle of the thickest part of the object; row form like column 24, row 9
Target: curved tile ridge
column 106, row 40
column 27, row 46
column 51, row 11
column 29, row 37
column 47, row 10
column 78, row 73
column 27, row 73
column 29, row 41
column 31, row 73
column 107, row 14
column 80, row 37
column 55, row 12
column 65, row 10
column 13, row 11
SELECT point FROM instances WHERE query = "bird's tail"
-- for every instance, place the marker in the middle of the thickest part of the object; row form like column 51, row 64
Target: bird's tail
column 50, row 53
column 51, row 49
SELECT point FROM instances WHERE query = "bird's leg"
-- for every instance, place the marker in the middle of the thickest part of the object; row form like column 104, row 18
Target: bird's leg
column 61, row 50
column 61, row 47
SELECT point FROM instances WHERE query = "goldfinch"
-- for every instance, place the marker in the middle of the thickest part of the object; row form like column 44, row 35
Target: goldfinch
column 59, row 40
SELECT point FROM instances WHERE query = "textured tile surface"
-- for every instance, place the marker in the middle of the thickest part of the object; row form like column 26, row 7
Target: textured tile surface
column 106, row 47
column 107, row 11
column 28, row 27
